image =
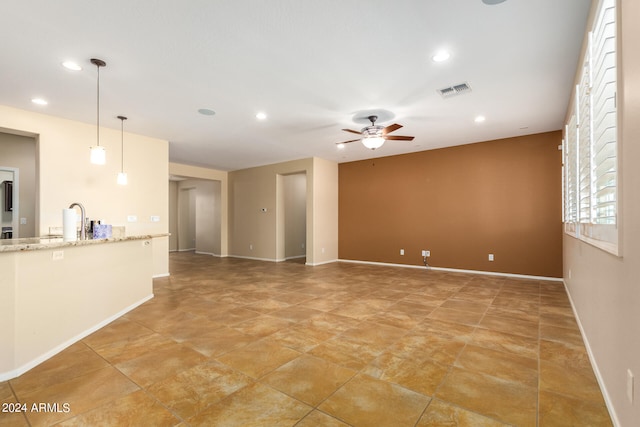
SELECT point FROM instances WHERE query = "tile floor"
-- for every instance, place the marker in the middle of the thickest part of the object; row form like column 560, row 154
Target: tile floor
column 231, row 342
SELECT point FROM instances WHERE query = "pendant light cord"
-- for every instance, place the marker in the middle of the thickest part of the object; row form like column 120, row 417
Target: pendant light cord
column 122, row 119
column 98, row 109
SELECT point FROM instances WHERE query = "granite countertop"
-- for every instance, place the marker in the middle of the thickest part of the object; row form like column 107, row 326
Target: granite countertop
column 39, row 243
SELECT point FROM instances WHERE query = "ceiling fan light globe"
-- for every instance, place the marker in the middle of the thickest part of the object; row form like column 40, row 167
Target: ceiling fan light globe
column 373, row 142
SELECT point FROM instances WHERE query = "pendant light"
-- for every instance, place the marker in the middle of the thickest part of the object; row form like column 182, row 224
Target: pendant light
column 98, row 153
column 122, row 176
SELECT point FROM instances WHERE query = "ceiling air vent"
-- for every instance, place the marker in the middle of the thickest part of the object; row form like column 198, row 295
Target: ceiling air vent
column 454, row 90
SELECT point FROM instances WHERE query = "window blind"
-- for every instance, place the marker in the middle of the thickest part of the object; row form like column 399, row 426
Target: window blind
column 590, row 169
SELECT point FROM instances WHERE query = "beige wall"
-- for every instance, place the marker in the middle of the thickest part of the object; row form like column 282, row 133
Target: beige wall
column 324, row 233
column 18, row 151
column 256, row 229
column 47, row 304
column 605, row 289
column 66, row 176
column 173, row 215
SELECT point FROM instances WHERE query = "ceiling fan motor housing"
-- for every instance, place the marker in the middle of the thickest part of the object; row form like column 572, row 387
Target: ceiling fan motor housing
column 374, row 130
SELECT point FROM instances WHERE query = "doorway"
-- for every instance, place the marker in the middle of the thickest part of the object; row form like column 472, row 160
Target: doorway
column 18, row 167
column 291, row 227
column 195, row 215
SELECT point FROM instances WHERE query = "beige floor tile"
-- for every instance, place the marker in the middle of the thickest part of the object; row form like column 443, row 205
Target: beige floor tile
column 295, row 313
column 526, row 314
column 267, row 305
column 214, row 343
column 442, row 414
column 444, row 329
column 507, row 401
column 116, row 333
column 347, row 353
column 232, row 317
column 507, row 366
column 517, row 344
column 81, row 393
column 254, row 405
column 569, row 355
column 373, row 334
column 317, row 418
column 161, row 363
column 71, row 363
column 191, row 391
column 456, row 316
column 135, row 409
column 510, row 325
column 365, row 401
column 5, row 391
column 560, row 411
column 559, row 334
column 578, row 383
column 133, row 347
column 444, row 350
column 262, row 326
column 309, row 379
column 297, row 338
column 466, row 305
column 415, row 373
column 259, row 358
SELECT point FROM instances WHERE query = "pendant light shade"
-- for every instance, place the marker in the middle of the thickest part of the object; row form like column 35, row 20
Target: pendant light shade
column 122, row 176
column 98, row 153
column 373, row 142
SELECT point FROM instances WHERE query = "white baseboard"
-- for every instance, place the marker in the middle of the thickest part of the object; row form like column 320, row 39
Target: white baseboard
column 456, row 270
column 321, row 263
column 207, row 253
column 594, row 365
column 4, row 376
column 157, row 276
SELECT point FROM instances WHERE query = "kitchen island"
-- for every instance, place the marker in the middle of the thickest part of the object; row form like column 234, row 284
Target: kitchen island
column 54, row 292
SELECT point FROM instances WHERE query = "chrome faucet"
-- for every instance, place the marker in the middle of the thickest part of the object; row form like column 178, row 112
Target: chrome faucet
column 83, row 219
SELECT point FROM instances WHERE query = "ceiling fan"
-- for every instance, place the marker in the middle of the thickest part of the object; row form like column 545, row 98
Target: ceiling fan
column 375, row 135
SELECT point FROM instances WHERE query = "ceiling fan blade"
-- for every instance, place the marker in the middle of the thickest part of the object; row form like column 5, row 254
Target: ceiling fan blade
column 399, row 138
column 353, row 131
column 391, row 128
column 346, row 142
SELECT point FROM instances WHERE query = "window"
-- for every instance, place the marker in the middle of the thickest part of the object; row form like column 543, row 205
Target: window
column 590, row 144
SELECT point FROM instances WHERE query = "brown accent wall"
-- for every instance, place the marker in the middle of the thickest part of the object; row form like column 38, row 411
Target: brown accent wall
column 461, row 203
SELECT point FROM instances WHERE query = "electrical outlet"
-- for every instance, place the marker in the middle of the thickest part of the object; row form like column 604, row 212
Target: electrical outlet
column 251, row 247
column 401, row 251
column 57, row 255
column 23, row 221
column 426, row 253
column 132, row 218
column 630, row 385
column 490, row 257
column 155, row 218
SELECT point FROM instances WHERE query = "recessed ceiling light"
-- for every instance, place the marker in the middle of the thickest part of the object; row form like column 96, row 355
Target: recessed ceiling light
column 261, row 116
column 70, row 65
column 492, row 2
column 206, row 112
column 39, row 101
column 340, row 146
column 480, row 119
column 441, row 56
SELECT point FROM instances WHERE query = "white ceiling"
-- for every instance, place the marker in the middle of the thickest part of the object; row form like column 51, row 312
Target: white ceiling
column 311, row 65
